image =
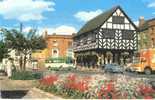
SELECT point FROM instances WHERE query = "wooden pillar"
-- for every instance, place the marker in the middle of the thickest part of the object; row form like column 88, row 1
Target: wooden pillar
column 113, row 53
column 104, row 57
column 118, row 58
column 87, row 62
column 131, row 54
column 98, row 59
column 82, row 61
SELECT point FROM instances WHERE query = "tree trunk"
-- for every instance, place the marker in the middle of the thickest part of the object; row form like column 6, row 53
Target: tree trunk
column 24, row 62
column 21, row 63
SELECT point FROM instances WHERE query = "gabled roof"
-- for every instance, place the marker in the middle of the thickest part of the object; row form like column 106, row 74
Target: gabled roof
column 99, row 20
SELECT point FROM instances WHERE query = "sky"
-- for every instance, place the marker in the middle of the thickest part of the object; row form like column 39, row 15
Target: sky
column 65, row 16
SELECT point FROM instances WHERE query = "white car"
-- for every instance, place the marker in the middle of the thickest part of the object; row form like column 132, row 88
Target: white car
column 48, row 65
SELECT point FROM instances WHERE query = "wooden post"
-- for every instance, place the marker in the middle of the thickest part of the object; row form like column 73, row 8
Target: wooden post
column 98, row 59
column 113, row 57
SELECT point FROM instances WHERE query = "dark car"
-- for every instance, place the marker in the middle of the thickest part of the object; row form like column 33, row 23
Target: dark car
column 114, row 68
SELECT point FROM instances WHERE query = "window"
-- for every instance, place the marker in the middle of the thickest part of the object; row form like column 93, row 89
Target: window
column 93, row 37
column 127, row 26
column 77, row 43
column 85, row 41
column 118, row 19
column 55, row 43
column 55, row 52
column 70, row 44
column 127, row 34
column 109, row 33
column 153, row 31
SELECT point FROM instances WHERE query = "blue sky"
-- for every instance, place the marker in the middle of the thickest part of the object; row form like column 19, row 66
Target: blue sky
column 66, row 16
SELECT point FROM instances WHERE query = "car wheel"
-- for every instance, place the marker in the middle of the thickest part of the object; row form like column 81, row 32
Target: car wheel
column 147, row 71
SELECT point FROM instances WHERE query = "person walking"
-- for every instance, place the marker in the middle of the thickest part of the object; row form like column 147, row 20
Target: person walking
column 9, row 67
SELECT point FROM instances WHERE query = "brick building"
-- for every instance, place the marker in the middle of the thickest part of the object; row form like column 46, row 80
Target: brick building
column 147, row 33
column 57, row 46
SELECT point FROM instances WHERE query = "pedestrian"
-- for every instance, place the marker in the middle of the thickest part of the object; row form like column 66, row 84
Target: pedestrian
column 9, row 67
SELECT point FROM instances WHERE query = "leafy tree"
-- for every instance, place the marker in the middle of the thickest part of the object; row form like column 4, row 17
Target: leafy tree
column 3, row 51
column 23, row 43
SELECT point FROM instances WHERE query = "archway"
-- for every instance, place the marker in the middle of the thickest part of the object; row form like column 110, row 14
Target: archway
column 109, row 57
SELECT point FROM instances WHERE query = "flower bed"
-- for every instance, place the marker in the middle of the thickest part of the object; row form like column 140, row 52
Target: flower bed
column 73, row 86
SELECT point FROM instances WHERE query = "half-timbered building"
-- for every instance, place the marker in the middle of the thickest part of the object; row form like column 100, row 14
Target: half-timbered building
column 111, row 37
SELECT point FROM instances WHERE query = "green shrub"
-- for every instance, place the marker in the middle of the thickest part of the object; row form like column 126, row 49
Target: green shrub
column 25, row 75
column 37, row 75
column 54, row 68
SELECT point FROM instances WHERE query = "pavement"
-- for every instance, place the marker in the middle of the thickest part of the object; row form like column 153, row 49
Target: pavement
column 22, row 89
column 36, row 93
column 7, row 84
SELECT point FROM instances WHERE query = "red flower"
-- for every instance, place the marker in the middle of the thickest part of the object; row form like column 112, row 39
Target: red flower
column 144, row 90
column 107, row 91
column 82, row 86
column 49, row 80
column 72, row 77
column 148, row 97
column 73, row 83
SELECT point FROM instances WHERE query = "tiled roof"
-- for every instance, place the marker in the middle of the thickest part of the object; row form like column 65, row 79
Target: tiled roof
column 146, row 25
column 97, row 21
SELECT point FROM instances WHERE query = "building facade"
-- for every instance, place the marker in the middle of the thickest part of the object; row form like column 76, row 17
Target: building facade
column 146, row 33
column 111, row 37
column 57, row 46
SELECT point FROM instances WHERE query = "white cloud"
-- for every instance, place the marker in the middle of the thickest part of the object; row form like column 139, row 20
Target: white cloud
column 27, row 29
column 60, row 30
column 152, row 4
column 87, row 15
column 25, row 10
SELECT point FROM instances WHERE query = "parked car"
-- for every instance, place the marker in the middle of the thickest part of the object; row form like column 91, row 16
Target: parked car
column 114, row 68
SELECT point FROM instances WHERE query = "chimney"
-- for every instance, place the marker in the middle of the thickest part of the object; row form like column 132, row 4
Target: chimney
column 54, row 33
column 141, row 21
column 45, row 34
column 73, row 34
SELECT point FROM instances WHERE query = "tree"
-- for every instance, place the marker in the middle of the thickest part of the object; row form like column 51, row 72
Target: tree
column 23, row 43
column 3, row 51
